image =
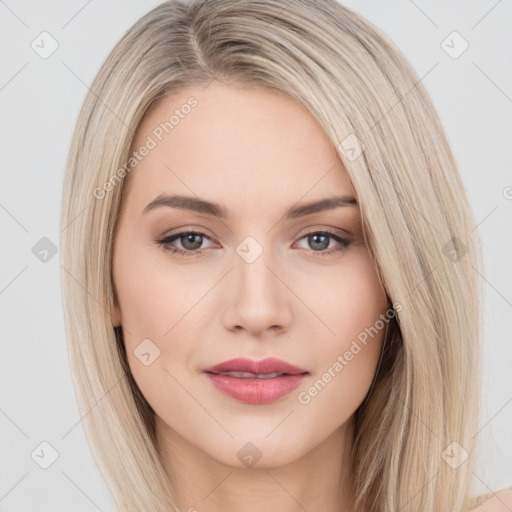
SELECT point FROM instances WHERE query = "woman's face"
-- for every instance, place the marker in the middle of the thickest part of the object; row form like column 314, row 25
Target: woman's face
column 259, row 282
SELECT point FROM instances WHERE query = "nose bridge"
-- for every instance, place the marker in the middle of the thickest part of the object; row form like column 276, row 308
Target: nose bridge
column 258, row 298
column 254, row 256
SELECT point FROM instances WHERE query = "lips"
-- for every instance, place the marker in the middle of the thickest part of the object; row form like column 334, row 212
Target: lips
column 266, row 366
column 255, row 382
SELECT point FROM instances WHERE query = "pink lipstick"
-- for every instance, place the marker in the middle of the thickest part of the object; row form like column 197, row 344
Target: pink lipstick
column 256, row 382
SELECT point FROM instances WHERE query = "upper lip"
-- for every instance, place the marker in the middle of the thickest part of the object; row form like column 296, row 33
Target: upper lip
column 268, row 365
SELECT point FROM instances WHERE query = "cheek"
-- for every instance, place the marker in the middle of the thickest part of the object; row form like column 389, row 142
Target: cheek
column 351, row 306
column 351, row 299
column 153, row 306
column 152, row 295
column 158, row 302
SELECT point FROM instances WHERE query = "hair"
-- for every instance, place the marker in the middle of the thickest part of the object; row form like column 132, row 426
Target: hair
column 416, row 219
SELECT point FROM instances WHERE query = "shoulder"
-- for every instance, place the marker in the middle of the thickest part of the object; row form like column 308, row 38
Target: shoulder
column 500, row 501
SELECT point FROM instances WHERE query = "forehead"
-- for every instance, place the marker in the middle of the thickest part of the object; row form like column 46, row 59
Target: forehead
column 233, row 143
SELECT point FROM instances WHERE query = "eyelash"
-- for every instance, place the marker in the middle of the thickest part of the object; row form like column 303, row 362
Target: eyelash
column 165, row 243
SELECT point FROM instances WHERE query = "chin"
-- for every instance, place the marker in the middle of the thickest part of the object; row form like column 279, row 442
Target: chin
column 259, row 453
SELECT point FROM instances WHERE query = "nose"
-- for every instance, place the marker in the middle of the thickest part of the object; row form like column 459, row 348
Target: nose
column 259, row 297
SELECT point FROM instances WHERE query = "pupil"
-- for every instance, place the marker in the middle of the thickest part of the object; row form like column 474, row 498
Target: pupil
column 315, row 237
column 191, row 238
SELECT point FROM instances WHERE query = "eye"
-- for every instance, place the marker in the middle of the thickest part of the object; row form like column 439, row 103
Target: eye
column 322, row 239
column 191, row 242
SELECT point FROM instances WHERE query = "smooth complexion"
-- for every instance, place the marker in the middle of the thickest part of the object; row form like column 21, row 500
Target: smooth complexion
column 304, row 299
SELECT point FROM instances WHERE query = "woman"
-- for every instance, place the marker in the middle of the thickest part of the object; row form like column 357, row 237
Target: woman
column 269, row 278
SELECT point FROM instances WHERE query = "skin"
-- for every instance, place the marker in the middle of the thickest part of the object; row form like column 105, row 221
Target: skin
column 500, row 502
column 258, row 153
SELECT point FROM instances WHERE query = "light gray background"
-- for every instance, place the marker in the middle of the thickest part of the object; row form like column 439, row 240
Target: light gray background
column 40, row 100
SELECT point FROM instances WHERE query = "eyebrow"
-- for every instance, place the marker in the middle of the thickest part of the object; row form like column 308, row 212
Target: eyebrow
column 217, row 210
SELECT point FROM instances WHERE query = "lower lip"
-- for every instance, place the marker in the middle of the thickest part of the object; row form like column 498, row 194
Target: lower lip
column 256, row 391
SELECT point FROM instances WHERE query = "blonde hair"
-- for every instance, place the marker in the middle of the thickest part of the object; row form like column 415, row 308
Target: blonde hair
column 416, row 219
